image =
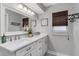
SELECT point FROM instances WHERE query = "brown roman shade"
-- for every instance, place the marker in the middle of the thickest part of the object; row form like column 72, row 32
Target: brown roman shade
column 60, row 18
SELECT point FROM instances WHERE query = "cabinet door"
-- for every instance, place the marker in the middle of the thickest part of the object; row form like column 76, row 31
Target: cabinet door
column 34, row 52
column 44, row 45
column 25, row 50
column 39, row 47
column 39, row 51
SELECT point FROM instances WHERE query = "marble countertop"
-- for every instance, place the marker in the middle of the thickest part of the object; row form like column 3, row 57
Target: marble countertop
column 15, row 45
column 14, row 33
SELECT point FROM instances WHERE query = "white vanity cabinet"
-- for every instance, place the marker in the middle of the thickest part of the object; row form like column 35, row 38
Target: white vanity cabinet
column 23, row 51
column 37, row 48
column 33, row 47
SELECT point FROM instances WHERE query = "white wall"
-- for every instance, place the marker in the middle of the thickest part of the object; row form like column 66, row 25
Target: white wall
column 0, row 17
column 76, row 7
column 57, row 43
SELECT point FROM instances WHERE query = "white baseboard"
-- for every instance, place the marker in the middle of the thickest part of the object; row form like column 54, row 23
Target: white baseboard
column 51, row 52
column 56, row 53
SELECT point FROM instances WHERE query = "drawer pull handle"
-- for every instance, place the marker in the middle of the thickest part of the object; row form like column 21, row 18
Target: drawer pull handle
column 28, row 49
column 39, row 41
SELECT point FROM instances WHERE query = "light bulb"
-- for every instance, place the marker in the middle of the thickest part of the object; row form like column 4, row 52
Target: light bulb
column 20, row 6
column 29, row 11
column 33, row 13
column 25, row 9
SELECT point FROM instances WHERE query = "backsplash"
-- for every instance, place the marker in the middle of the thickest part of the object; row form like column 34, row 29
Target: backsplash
column 12, row 38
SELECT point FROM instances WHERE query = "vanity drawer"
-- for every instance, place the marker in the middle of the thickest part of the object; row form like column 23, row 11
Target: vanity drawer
column 39, row 41
column 25, row 50
column 28, row 54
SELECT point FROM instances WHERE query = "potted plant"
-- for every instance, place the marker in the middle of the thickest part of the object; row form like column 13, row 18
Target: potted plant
column 30, row 32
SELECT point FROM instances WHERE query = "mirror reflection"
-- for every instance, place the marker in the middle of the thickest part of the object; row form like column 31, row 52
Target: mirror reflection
column 15, row 21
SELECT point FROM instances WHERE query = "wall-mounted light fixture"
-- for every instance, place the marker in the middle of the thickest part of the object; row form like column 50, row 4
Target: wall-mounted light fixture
column 25, row 9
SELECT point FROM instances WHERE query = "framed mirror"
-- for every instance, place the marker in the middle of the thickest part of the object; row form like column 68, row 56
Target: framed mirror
column 14, row 21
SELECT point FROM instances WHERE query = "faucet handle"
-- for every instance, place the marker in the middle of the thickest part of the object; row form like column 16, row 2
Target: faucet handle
column 11, row 39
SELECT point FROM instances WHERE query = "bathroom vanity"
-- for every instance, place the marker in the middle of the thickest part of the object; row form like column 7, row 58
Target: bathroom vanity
column 18, row 43
column 29, row 46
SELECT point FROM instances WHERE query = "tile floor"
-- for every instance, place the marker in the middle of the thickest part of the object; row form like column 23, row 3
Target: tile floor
column 48, row 54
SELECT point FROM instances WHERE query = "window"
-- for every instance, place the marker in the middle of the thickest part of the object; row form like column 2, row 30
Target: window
column 60, row 21
column 60, row 28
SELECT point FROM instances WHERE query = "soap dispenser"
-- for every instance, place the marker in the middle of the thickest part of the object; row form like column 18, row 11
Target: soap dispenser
column 3, row 39
column 0, row 39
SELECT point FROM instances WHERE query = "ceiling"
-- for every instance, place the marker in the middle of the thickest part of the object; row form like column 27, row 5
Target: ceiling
column 48, row 4
column 39, row 8
column 35, row 7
